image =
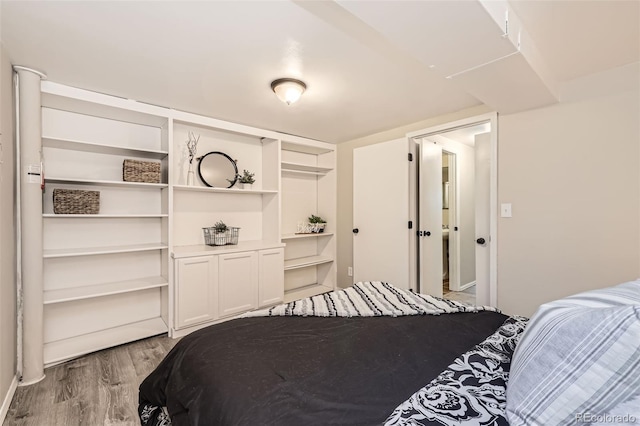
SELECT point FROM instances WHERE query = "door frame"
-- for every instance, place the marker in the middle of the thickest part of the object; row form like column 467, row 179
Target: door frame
column 493, row 185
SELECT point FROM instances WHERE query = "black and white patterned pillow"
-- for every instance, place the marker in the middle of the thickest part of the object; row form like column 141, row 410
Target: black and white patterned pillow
column 471, row 391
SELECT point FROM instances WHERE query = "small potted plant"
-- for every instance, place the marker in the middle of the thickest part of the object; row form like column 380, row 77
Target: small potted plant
column 246, row 179
column 220, row 236
column 317, row 223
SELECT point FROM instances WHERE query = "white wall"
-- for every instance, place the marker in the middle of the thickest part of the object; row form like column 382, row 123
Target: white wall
column 7, row 227
column 572, row 173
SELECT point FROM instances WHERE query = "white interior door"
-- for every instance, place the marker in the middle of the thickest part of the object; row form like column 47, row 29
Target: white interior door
column 482, row 196
column 381, row 213
column 430, row 231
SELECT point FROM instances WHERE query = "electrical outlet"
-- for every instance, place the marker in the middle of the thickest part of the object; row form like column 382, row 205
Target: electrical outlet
column 350, row 271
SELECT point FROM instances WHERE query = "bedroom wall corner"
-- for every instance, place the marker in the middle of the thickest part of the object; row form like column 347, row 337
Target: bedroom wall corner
column 7, row 237
column 572, row 174
column 345, row 180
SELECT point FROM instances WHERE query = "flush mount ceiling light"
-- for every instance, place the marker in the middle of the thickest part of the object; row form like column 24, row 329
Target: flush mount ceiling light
column 288, row 90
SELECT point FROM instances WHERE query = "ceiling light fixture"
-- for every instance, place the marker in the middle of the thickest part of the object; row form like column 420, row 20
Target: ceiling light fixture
column 288, row 90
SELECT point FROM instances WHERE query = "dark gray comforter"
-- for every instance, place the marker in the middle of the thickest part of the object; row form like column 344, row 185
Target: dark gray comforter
column 307, row 370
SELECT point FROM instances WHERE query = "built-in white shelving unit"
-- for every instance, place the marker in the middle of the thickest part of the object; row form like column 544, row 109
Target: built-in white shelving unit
column 139, row 267
column 308, row 187
column 105, row 275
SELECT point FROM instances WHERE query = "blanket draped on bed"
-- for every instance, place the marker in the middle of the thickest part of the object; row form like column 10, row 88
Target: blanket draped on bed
column 368, row 299
column 365, row 299
column 471, row 391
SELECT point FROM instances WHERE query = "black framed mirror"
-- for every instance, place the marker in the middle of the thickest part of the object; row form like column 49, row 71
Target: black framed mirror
column 217, row 170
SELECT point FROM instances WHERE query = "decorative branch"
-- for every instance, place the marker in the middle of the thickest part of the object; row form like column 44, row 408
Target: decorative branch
column 192, row 146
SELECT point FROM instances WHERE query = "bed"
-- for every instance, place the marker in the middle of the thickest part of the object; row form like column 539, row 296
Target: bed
column 368, row 355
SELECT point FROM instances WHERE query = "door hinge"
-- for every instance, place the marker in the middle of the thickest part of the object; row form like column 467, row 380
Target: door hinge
column 410, row 156
column 410, row 224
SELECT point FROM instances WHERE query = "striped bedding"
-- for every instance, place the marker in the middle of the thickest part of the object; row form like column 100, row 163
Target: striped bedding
column 368, row 299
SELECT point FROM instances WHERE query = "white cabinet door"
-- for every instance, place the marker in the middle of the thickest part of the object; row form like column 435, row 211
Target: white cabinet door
column 196, row 290
column 271, row 285
column 238, row 283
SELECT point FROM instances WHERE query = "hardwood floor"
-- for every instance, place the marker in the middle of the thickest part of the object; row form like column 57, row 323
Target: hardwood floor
column 96, row 389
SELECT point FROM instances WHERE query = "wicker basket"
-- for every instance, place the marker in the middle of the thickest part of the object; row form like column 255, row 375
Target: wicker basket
column 76, row 201
column 141, row 171
column 213, row 238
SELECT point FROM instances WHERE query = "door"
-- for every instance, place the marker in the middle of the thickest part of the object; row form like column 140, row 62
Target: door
column 430, row 218
column 482, row 194
column 237, row 283
column 381, row 214
column 196, row 290
column 271, row 276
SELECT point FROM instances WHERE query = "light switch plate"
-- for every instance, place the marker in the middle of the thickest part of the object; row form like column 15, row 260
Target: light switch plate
column 505, row 210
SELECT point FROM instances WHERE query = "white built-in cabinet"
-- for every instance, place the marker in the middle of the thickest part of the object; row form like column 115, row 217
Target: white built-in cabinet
column 308, row 187
column 140, row 266
column 105, row 275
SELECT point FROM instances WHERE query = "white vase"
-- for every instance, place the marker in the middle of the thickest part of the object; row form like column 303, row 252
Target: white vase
column 190, row 175
column 247, row 186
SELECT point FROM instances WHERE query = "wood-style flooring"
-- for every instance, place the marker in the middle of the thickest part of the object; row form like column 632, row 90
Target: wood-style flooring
column 97, row 389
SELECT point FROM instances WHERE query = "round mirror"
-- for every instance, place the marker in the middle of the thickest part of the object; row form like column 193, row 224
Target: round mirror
column 218, row 170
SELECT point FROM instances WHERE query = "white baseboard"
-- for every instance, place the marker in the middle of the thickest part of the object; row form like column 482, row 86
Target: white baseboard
column 467, row 285
column 7, row 399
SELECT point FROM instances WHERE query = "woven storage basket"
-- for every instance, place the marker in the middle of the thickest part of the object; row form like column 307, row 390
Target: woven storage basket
column 141, row 171
column 76, row 201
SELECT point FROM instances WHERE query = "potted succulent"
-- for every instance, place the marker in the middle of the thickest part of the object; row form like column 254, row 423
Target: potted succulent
column 220, row 235
column 317, row 223
column 246, row 179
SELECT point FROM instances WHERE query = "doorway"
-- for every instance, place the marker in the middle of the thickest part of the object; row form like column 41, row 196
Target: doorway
column 456, row 194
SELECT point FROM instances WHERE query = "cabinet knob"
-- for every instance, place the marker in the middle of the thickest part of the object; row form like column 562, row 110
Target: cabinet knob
column 355, row 230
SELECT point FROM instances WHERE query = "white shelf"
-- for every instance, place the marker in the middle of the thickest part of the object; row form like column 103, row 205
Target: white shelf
column 101, row 148
column 312, row 235
column 90, row 251
column 100, row 290
column 62, row 350
column 180, row 252
column 316, row 148
column 137, row 185
column 303, row 292
column 223, row 190
column 303, row 262
column 103, row 216
column 303, row 168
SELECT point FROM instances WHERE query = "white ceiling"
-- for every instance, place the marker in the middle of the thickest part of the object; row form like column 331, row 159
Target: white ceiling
column 369, row 65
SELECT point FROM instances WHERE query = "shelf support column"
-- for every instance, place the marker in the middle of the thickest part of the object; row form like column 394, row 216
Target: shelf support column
column 29, row 253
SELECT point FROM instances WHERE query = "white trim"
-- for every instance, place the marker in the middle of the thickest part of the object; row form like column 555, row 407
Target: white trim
column 492, row 118
column 6, row 403
column 467, row 285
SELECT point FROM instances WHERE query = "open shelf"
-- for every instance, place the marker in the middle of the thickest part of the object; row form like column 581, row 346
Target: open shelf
column 307, row 291
column 101, row 148
column 312, row 235
column 92, row 182
column 62, row 350
column 303, row 168
column 102, row 216
column 303, row 262
column 223, row 190
column 100, row 290
column 90, row 251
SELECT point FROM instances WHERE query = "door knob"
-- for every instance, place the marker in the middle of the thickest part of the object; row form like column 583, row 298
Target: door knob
column 355, row 230
column 481, row 241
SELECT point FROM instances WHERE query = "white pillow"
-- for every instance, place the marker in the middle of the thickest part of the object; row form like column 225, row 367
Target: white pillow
column 579, row 357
